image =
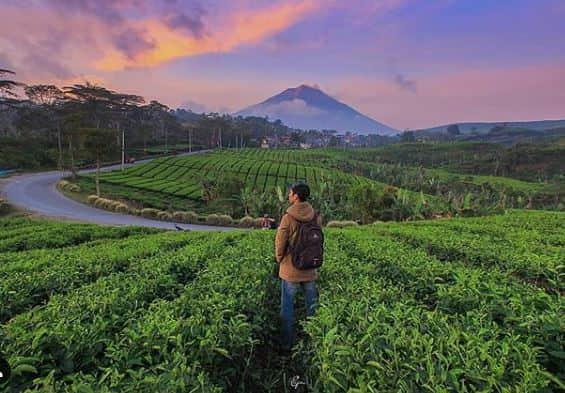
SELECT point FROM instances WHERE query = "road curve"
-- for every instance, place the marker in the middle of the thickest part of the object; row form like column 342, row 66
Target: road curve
column 38, row 193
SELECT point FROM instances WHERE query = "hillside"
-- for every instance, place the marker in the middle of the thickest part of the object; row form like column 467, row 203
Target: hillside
column 485, row 127
column 239, row 182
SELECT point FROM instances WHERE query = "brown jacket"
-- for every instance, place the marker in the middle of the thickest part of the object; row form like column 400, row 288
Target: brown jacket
column 301, row 211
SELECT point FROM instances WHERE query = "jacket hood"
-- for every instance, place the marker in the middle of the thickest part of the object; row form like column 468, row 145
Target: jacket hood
column 301, row 211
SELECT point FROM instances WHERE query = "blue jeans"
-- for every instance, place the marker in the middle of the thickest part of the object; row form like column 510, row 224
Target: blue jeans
column 288, row 291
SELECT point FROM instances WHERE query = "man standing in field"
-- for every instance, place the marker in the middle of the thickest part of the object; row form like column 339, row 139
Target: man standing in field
column 299, row 219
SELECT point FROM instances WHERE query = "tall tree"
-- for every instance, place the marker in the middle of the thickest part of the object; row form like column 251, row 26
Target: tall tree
column 161, row 117
column 98, row 143
column 453, row 130
column 50, row 99
column 94, row 104
column 122, row 107
column 7, row 86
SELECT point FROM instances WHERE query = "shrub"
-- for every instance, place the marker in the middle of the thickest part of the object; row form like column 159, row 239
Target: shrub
column 185, row 217
column 134, row 211
column 213, row 219
column 4, row 207
column 341, row 224
column 247, row 222
column 107, row 204
column 149, row 213
column 164, row 216
column 121, row 208
column 192, row 217
column 68, row 186
column 101, row 203
column 225, row 219
column 92, row 199
column 112, row 205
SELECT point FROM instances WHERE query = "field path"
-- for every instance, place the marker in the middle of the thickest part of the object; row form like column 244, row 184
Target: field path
column 38, row 193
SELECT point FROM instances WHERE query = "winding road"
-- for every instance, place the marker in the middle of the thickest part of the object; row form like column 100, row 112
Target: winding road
column 38, row 193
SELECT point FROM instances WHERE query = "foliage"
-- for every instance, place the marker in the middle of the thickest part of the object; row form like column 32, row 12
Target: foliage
column 364, row 203
column 471, row 304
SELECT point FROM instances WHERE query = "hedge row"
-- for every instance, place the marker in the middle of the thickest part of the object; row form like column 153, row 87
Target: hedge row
column 185, row 217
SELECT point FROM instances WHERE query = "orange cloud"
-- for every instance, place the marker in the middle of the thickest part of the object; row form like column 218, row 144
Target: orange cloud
column 246, row 27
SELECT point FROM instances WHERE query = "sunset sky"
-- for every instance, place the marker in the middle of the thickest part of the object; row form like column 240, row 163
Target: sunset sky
column 407, row 63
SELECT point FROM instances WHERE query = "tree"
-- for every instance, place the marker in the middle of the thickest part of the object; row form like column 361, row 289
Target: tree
column 159, row 113
column 364, row 202
column 98, row 142
column 122, row 106
column 453, row 130
column 229, row 188
column 296, row 137
column 94, row 105
column 245, row 198
column 50, row 100
column 6, row 85
column 408, row 137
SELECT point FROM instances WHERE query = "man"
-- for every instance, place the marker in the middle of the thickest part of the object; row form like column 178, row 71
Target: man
column 292, row 278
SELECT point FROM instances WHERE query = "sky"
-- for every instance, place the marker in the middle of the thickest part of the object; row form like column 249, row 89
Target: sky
column 407, row 63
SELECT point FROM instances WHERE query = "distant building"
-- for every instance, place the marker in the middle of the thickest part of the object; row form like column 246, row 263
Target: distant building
column 305, row 146
column 285, row 140
column 264, row 143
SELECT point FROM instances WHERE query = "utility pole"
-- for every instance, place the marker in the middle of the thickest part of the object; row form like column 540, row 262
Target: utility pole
column 123, row 149
column 189, row 128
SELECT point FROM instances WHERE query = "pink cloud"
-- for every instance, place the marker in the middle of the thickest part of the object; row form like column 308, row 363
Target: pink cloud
column 90, row 40
column 240, row 28
column 528, row 93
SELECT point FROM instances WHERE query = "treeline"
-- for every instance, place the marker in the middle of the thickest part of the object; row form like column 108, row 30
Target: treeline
column 68, row 127
column 539, row 162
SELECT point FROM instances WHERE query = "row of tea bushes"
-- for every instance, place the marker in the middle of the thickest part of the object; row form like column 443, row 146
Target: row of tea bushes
column 184, row 217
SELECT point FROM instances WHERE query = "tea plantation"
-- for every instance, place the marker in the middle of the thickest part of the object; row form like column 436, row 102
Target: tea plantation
column 261, row 170
column 458, row 305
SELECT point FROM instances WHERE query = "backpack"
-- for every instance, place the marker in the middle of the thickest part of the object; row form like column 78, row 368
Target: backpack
column 307, row 252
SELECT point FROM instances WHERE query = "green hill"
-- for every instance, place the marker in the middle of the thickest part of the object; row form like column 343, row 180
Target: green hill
column 223, row 181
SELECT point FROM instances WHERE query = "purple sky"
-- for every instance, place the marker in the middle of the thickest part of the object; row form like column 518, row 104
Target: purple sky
column 407, row 63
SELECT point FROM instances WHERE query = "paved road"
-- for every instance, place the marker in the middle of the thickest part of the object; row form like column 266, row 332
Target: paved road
column 38, row 193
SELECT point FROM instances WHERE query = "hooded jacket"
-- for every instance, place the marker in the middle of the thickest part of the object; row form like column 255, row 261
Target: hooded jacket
column 301, row 211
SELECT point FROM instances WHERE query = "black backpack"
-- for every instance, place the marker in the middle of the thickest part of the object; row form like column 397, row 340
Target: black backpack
column 307, row 252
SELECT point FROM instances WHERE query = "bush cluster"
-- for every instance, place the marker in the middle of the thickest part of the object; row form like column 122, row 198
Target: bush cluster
column 68, row 186
column 185, row 217
column 4, row 207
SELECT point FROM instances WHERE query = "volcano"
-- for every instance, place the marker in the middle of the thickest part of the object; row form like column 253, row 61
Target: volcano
column 308, row 107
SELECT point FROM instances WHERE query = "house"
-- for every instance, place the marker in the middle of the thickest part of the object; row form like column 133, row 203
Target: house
column 285, row 140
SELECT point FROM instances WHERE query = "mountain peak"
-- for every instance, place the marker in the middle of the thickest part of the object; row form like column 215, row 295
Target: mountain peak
column 308, row 87
column 308, row 107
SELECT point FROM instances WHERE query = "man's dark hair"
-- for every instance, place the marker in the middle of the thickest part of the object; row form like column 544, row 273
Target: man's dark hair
column 302, row 190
